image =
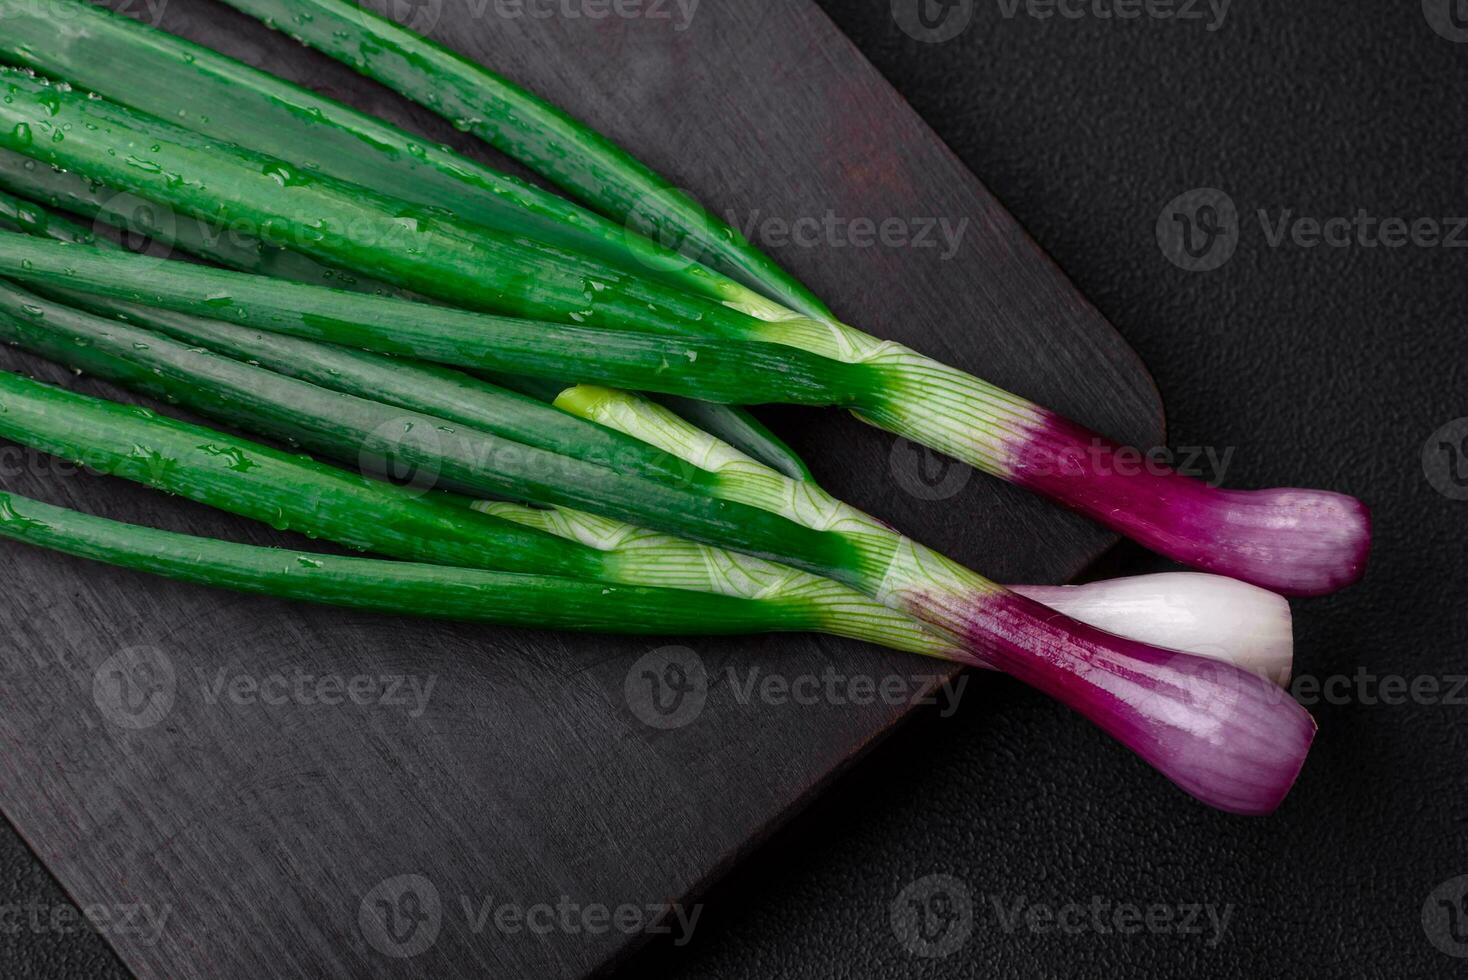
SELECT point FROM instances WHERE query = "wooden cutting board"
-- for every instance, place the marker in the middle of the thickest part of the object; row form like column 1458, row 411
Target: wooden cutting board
column 251, row 788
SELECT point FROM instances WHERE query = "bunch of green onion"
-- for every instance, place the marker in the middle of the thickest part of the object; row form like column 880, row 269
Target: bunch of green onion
column 389, row 305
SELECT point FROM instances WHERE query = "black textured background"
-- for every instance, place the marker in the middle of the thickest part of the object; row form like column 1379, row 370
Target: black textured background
column 1319, row 367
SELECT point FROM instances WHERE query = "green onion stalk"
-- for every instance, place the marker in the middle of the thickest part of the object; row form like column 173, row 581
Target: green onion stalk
column 403, row 588
column 1221, row 733
column 1293, row 541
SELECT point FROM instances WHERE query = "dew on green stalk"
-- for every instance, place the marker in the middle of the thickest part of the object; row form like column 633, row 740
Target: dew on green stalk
column 284, row 174
column 234, row 458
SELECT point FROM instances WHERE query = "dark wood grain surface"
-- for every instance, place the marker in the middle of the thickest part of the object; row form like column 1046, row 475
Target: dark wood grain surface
column 177, row 757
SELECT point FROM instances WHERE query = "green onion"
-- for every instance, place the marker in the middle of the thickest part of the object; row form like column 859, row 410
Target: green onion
column 647, row 432
column 1251, row 754
column 1295, row 541
column 711, row 369
column 403, row 588
column 1212, row 728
